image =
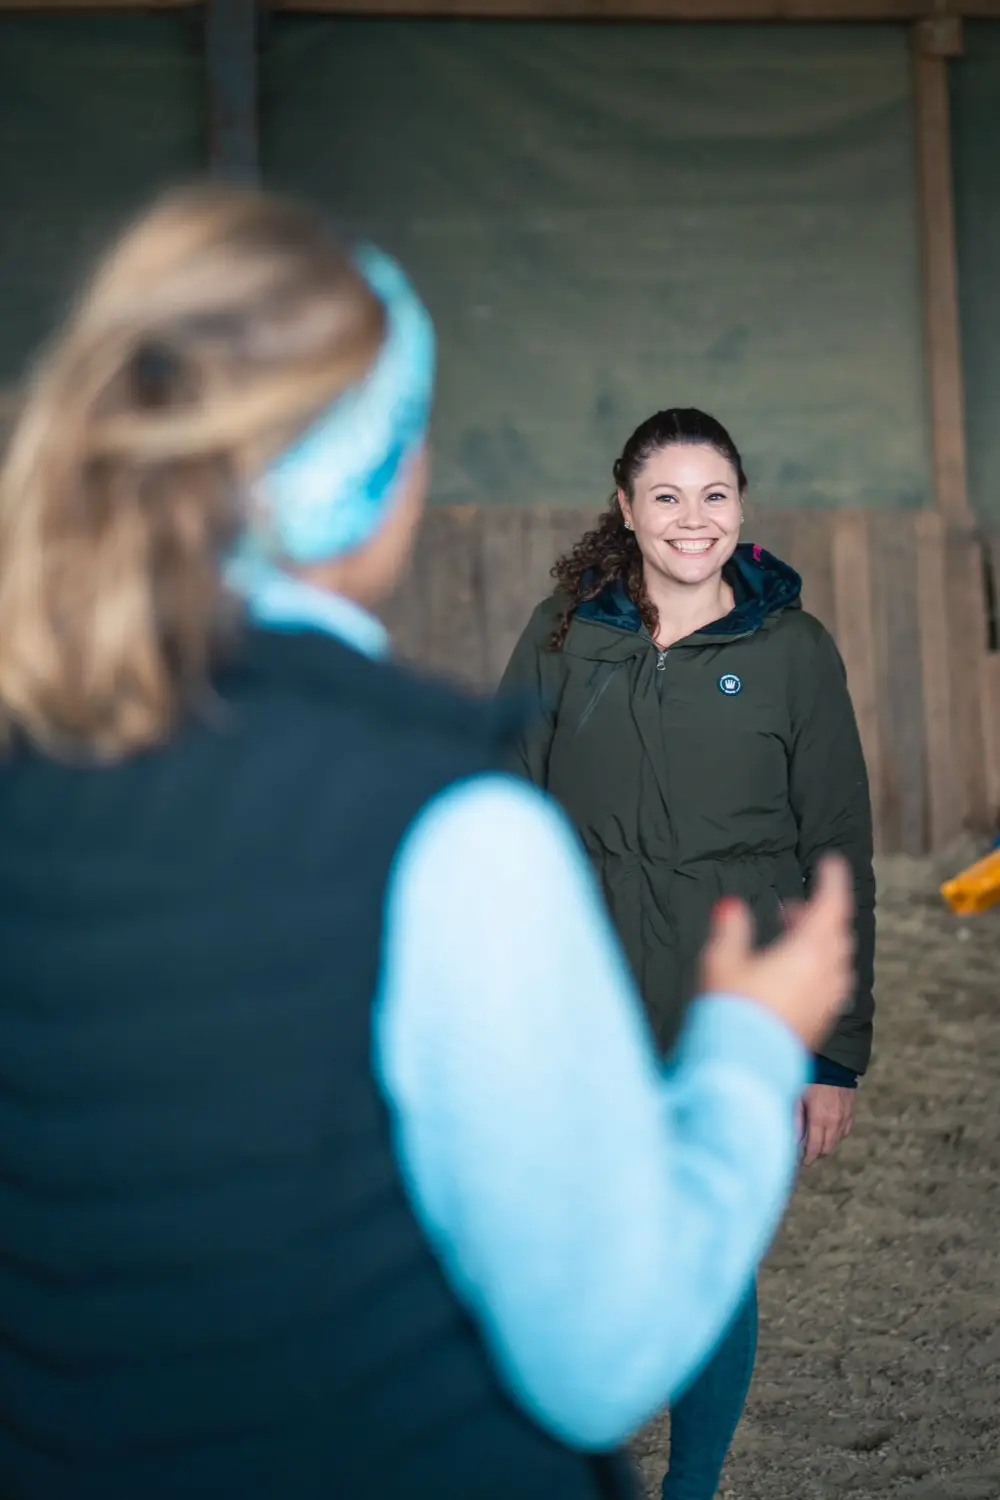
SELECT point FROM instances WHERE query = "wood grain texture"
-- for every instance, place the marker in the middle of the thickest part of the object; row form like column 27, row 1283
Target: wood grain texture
column 899, row 676
column 652, row 10
column 810, row 553
column 904, row 595
column 807, row 11
column 967, row 636
column 853, row 587
column 944, row 801
column 989, row 688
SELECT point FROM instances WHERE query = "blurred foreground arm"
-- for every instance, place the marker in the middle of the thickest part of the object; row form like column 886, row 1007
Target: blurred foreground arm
column 600, row 1218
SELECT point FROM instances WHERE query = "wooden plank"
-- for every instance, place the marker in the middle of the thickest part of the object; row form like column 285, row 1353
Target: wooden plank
column 231, row 80
column 540, row 548
column 967, row 632
column 944, row 808
column 453, row 639
column 810, row 553
column 506, row 604
column 576, row 10
column 568, row 528
column 990, row 695
column 899, row 675
column 853, row 587
column 990, row 687
column 933, row 44
column 770, row 529
column 651, row 10
column 926, row 694
column 75, row 7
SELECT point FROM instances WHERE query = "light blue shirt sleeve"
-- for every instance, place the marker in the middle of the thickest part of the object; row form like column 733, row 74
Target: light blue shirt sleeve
column 600, row 1216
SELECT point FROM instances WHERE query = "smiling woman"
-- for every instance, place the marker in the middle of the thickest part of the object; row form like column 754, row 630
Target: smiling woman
column 680, row 490
column 695, row 723
column 672, row 526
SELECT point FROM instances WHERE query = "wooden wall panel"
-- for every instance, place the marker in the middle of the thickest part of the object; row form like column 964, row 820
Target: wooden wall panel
column 577, row 10
column 944, row 803
column 854, row 596
column 507, row 602
column 903, row 594
column 809, row 551
column 898, row 671
column 966, row 633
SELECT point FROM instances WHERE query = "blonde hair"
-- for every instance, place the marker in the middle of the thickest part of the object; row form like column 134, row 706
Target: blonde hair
column 211, row 335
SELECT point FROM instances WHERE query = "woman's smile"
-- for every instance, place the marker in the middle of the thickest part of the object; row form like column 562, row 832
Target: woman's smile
column 692, row 546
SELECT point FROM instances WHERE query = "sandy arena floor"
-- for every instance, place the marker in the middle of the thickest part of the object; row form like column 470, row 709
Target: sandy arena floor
column 879, row 1370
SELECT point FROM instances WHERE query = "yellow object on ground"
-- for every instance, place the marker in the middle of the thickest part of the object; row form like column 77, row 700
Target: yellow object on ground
column 975, row 889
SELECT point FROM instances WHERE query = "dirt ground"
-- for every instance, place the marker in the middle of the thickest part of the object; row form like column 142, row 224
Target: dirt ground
column 879, row 1369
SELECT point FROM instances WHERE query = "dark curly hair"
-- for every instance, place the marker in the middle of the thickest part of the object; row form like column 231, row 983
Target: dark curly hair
column 610, row 553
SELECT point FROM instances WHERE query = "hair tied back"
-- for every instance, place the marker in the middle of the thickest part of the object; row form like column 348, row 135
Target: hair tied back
column 156, row 373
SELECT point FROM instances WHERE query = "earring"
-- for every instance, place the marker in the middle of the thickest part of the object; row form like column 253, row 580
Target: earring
column 628, row 525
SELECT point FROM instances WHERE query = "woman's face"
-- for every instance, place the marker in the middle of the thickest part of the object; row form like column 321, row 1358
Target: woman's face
column 686, row 512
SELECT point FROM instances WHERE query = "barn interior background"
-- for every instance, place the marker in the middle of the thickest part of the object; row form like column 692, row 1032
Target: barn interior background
column 786, row 211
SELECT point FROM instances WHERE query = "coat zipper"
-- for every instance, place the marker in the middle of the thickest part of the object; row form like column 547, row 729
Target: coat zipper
column 661, row 656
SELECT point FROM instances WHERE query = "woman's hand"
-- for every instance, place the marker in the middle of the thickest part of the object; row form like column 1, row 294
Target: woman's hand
column 827, row 1119
column 807, row 977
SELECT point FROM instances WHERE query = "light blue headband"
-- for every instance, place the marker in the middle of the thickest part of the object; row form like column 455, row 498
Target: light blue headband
column 331, row 492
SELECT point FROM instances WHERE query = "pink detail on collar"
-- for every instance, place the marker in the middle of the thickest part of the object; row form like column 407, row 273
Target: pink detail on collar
column 757, row 553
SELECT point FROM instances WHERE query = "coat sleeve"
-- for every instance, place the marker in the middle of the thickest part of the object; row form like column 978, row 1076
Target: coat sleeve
column 533, row 675
column 829, row 794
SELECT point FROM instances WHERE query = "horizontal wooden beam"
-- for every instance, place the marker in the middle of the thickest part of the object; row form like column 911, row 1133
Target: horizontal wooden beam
column 651, row 10
column 85, row 7
column 580, row 10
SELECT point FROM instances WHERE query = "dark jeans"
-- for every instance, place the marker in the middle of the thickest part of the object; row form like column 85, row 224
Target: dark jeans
column 704, row 1420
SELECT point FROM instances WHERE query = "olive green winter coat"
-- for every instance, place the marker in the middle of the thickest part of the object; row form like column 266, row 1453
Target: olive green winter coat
column 726, row 765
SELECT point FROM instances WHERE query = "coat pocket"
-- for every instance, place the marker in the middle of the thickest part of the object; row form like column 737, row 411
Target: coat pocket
column 600, row 683
column 768, row 910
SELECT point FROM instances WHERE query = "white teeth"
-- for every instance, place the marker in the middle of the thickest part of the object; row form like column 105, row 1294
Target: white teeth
column 692, row 547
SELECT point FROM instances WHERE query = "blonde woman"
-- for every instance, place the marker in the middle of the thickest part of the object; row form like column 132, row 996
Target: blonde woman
column 335, row 1159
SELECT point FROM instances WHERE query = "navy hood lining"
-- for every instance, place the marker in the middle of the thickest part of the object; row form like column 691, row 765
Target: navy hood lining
column 762, row 585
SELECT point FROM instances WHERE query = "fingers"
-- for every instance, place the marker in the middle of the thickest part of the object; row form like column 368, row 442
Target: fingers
column 829, row 1123
column 821, row 1141
column 813, row 1150
column 732, row 927
column 792, row 913
column 832, row 902
column 730, row 944
column 805, row 978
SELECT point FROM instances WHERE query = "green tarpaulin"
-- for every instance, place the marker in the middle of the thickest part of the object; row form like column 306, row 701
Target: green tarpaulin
column 604, row 219
column 95, row 113
column 976, row 142
column 610, row 219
